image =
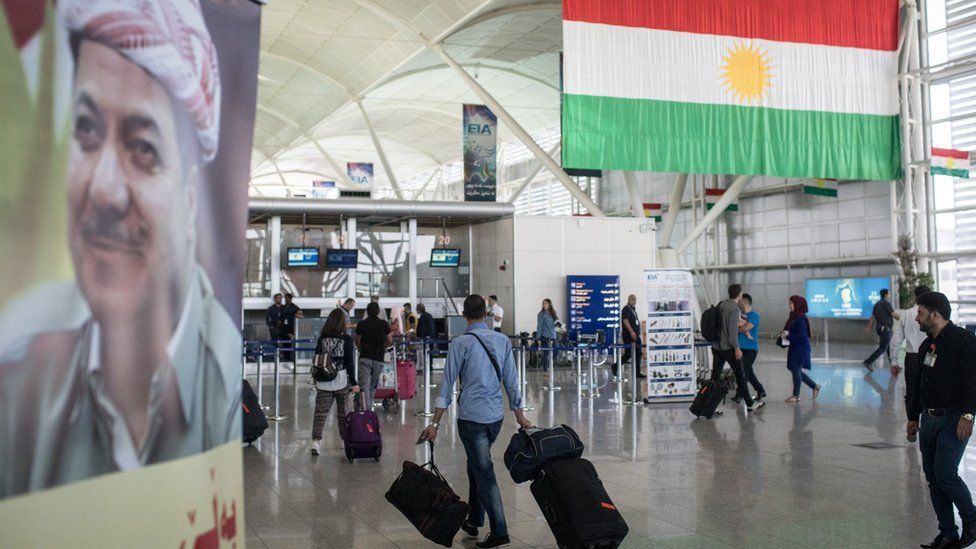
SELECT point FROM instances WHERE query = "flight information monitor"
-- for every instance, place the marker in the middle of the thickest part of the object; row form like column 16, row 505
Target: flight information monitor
column 336, row 258
column 303, row 257
column 445, row 257
column 844, row 297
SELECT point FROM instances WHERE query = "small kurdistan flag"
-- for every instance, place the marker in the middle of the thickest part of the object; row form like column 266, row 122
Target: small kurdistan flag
column 713, row 195
column 653, row 210
column 821, row 187
column 950, row 162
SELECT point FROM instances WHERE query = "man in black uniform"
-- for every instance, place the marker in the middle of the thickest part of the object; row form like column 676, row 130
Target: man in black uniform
column 630, row 327
column 289, row 313
column 882, row 319
column 945, row 397
column 275, row 319
column 425, row 324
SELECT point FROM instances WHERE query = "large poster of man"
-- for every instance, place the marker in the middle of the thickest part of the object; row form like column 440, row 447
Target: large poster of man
column 120, row 349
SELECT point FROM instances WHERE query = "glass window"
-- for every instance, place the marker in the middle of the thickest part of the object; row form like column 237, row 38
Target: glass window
column 257, row 262
column 311, row 281
column 383, row 268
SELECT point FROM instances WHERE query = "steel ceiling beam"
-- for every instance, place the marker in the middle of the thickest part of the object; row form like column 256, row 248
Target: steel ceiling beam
column 445, row 66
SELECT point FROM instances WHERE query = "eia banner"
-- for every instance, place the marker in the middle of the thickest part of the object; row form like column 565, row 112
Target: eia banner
column 125, row 151
column 480, row 148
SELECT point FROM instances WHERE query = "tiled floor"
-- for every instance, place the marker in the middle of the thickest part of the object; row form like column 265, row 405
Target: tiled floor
column 787, row 476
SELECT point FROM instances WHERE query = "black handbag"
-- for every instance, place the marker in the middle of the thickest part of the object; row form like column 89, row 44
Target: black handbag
column 428, row 502
column 529, row 450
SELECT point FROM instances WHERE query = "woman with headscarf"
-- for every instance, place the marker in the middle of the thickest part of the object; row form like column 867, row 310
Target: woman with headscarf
column 396, row 320
column 797, row 333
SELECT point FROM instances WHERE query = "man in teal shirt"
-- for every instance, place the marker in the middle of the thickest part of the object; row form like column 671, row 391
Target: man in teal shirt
column 749, row 343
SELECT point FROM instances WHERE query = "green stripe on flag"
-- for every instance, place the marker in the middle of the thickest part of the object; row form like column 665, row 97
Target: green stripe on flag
column 939, row 170
column 820, row 191
column 730, row 208
column 648, row 135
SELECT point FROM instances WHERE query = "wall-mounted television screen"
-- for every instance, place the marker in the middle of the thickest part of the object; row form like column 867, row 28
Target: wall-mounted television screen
column 844, row 297
column 336, row 258
column 445, row 257
column 303, row 257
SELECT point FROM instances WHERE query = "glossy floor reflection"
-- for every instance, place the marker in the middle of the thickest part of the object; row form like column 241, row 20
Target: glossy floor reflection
column 787, row 476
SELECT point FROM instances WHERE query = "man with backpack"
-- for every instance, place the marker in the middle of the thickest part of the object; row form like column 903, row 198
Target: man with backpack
column 481, row 361
column 720, row 325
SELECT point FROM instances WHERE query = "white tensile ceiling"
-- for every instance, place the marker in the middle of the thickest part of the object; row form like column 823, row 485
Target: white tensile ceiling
column 319, row 56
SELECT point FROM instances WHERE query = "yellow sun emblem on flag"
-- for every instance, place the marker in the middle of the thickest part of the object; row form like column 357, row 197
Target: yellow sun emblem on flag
column 747, row 73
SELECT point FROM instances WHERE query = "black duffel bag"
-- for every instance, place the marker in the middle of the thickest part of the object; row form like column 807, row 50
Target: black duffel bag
column 424, row 497
column 529, row 450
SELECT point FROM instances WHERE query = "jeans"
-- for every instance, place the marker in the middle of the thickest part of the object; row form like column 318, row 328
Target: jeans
column 800, row 375
column 748, row 359
column 884, row 333
column 368, row 376
column 483, row 494
column 719, row 358
column 626, row 358
column 546, row 355
column 941, row 452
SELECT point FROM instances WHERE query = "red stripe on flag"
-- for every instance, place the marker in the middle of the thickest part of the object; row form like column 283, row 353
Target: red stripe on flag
column 714, row 192
column 869, row 24
column 950, row 153
column 652, row 206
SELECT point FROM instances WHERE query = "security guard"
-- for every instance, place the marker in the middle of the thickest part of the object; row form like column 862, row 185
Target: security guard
column 945, row 398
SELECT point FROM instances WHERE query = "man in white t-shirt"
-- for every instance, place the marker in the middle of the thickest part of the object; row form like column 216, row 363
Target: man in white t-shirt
column 908, row 330
column 496, row 312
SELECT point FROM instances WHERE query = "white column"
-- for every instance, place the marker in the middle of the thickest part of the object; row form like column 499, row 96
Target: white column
column 351, row 244
column 412, row 260
column 731, row 194
column 274, row 229
column 674, row 208
column 519, row 131
column 380, row 152
column 636, row 205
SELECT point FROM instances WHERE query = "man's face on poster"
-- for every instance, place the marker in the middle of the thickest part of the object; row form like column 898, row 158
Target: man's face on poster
column 130, row 191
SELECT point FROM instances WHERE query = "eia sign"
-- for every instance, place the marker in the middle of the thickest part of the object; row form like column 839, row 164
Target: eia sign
column 480, row 129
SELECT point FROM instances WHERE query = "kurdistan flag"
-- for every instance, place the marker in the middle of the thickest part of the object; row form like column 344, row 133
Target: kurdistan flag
column 653, row 211
column 821, row 187
column 790, row 88
column 950, row 162
column 712, row 196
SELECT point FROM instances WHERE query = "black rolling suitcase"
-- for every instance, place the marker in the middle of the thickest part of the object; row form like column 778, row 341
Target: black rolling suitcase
column 577, row 507
column 428, row 502
column 254, row 421
column 708, row 399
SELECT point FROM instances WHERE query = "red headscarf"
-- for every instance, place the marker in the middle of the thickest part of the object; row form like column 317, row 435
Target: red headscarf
column 800, row 308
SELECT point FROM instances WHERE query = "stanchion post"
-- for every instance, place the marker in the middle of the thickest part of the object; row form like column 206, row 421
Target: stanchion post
column 524, row 387
column 635, row 399
column 579, row 371
column 277, row 408
column 260, row 379
column 551, row 385
column 620, row 374
column 426, row 412
column 594, row 388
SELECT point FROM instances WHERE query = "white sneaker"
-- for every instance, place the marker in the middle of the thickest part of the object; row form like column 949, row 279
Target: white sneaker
column 316, row 447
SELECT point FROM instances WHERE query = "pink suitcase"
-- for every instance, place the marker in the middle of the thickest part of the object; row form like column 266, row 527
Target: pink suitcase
column 406, row 379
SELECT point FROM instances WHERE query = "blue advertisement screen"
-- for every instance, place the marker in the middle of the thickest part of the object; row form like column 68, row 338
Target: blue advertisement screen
column 445, row 257
column 336, row 258
column 844, row 297
column 303, row 257
column 594, row 304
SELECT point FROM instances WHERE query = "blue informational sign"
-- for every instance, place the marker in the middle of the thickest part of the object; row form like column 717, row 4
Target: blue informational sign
column 337, row 258
column 303, row 257
column 594, row 304
column 844, row 297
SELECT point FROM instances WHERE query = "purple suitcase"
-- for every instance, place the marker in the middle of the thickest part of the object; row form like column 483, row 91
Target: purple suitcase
column 362, row 438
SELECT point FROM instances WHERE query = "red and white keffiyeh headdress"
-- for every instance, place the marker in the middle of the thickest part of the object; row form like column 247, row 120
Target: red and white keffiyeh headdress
column 167, row 38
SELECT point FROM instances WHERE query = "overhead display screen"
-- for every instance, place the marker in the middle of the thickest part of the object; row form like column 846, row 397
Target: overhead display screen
column 336, row 258
column 303, row 257
column 594, row 304
column 445, row 257
column 844, row 297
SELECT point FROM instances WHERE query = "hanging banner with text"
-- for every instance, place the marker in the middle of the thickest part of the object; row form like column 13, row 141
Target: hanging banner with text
column 480, row 148
column 361, row 175
column 126, row 149
column 669, row 335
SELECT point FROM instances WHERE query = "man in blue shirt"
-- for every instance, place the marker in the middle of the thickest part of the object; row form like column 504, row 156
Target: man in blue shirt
column 749, row 343
column 480, row 413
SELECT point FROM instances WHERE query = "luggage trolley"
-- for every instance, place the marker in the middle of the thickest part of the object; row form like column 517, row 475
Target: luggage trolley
column 386, row 391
